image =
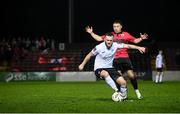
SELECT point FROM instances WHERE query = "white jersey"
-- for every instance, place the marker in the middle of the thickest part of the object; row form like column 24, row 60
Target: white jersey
column 159, row 61
column 104, row 56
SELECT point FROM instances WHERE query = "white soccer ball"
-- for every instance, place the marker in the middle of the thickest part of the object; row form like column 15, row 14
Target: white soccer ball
column 116, row 97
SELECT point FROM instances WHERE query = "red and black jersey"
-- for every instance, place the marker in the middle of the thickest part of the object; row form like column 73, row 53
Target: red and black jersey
column 123, row 37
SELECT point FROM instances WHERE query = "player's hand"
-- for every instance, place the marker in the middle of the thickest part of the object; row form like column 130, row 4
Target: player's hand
column 89, row 29
column 81, row 67
column 144, row 36
column 142, row 49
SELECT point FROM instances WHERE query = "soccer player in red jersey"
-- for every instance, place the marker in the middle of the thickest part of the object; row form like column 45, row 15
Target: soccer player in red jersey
column 122, row 61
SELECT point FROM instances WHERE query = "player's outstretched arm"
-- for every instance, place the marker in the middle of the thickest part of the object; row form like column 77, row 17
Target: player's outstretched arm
column 142, row 37
column 129, row 46
column 95, row 36
column 86, row 59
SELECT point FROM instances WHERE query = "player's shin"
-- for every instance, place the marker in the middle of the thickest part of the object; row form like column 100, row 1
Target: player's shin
column 111, row 83
column 160, row 77
column 156, row 79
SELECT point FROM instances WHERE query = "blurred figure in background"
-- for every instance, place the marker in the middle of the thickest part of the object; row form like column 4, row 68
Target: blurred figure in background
column 159, row 67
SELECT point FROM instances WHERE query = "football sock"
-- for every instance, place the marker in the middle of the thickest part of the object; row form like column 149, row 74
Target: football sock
column 157, row 77
column 134, row 83
column 160, row 77
column 118, row 86
column 111, row 83
column 124, row 90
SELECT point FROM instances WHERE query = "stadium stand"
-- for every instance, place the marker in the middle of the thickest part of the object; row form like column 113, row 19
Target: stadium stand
column 69, row 58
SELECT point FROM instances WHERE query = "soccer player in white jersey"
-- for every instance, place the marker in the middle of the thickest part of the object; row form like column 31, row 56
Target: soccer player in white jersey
column 103, row 65
column 159, row 67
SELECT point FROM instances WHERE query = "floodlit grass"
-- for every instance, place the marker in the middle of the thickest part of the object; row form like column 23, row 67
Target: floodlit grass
column 82, row 97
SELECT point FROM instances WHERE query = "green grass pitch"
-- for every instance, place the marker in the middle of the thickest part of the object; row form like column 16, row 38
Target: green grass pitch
column 86, row 97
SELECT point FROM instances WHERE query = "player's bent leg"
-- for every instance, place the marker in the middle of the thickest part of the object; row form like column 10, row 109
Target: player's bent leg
column 121, row 81
column 108, row 80
column 123, row 87
column 133, row 79
column 134, row 83
column 130, row 74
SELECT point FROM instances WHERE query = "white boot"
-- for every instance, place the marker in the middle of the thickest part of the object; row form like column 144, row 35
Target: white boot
column 138, row 94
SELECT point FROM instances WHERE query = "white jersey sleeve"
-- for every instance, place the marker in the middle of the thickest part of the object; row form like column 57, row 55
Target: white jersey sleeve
column 121, row 45
column 95, row 51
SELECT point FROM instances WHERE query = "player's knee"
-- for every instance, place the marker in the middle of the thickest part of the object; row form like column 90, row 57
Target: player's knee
column 104, row 73
column 121, row 81
column 158, row 73
column 131, row 75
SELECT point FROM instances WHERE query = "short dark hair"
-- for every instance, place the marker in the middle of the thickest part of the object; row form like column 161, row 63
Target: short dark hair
column 109, row 34
column 118, row 21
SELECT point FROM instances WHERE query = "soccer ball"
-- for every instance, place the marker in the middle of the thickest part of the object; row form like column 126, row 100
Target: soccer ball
column 116, row 97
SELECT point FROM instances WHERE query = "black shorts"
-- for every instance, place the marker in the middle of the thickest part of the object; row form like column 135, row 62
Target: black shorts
column 122, row 64
column 114, row 74
column 159, row 69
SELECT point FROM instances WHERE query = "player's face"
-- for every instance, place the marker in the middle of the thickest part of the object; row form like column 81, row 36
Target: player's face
column 117, row 27
column 109, row 41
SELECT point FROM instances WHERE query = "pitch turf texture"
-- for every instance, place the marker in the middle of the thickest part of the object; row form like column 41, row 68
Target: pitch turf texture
column 82, row 97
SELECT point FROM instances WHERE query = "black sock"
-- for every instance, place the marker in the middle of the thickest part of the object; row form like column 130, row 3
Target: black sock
column 134, row 83
column 118, row 86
